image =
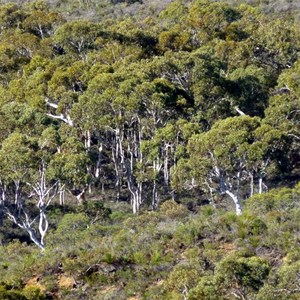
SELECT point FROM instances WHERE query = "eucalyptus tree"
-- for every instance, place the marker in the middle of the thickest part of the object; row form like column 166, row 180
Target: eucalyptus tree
column 211, row 20
column 64, row 87
column 107, row 112
column 277, row 43
column 69, row 165
column 11, row 15
column 283, row 115
column 26, row 190
column 226, row 158
column 78, row 37
column 161, row 153
column 17, row 48
column 123, row 109
column 40, row 20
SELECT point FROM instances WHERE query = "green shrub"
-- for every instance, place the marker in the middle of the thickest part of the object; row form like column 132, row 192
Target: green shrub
column 182, row 278
column 33, row 293
column 278, row 200
column 283, row 284
column 249, row 225
column 245, row 273
column 69, row 230
column 94, row 210
column 206, row 289
column 9, row 294
column 170, row 209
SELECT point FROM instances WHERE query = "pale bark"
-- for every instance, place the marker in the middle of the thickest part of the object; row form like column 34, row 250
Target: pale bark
column 61, row 194
column 166, row 165
column 134, row 188
column 156, row 168
column 241, row 113
column 251, row 184
column 12, row 205
column 66, row 118
column 118, row 160
column 25, row 225
column 154, row 196
column 260, row 185
column 235, row 199
column 225, row 183
column 99, row 159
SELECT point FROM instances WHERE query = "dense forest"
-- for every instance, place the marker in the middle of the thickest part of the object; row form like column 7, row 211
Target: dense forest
column 149, row 149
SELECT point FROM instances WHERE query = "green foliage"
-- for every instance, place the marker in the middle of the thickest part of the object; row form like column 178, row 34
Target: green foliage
column 246, row 272
column 95, row 210
column 78, row 36
column 7, row 294
column 33, row 293
column 125, row 104
column 171, row 209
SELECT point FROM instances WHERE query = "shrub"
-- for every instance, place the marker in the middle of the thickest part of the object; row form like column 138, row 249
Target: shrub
column 245, row 274
column 69, row 230
column 8, row 294
column 206, row 289
column 32, row 292
column 283, row 284
column 95, row 210
column 182, row 278
column 172, row 210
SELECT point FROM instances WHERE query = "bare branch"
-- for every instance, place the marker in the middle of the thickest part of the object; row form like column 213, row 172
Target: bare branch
column 241, row 113
column 51, row 104
column 61, row 117
column 294, row 136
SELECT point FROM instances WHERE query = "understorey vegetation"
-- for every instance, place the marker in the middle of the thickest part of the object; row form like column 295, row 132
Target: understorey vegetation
column 149, row 150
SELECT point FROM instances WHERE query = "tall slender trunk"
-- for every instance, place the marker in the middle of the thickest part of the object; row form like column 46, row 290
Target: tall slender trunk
column 134, row 155
column 61, row 193
column 43, row 225
column 99, row 160
column 251, row 184
column 157, row 165
column 118, row 158
column 166, row 165
column 135, row 189
column 260, row 185
column 155, row 198
column 236, row 201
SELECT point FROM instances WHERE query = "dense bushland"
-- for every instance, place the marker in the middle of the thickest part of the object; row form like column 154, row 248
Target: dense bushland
column 172, row 253
column 149, row 150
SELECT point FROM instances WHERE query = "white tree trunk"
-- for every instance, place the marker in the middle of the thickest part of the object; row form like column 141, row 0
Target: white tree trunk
column 251, row 184
column 235, row 199
column 154, row 196
column 260, row 185
column 99, row 159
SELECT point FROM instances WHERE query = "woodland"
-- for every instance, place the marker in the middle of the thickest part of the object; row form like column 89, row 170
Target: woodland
column 149, row 150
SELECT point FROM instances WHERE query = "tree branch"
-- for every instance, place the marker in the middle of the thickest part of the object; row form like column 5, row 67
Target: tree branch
column 61, row 117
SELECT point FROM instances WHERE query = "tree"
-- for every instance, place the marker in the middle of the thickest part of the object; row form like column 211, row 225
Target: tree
column 218, row 158
column 41, row 21
column 26, row 190
column 77, row 36
column 11, row 15
column 69, row 164
column 283, row 115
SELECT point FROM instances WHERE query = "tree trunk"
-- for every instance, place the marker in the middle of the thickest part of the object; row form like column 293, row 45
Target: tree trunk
column 251, row 184
column 99, row 160
column 166, row 166
column 235, row 199
column 154, row 196
column 61, row 194
column 117, row 163
column 260, row 185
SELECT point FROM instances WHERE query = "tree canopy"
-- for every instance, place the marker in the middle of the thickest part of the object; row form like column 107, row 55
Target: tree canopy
column 142, row 102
